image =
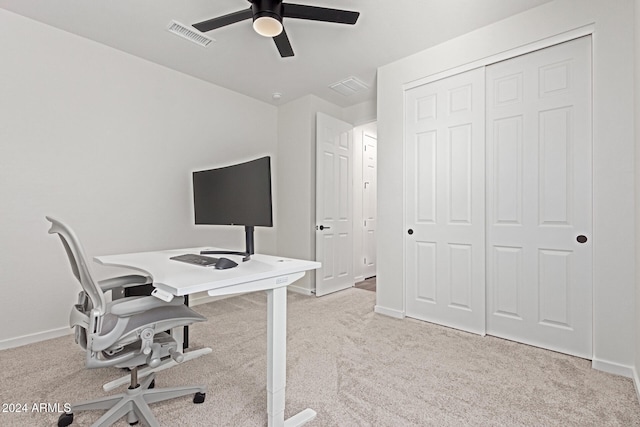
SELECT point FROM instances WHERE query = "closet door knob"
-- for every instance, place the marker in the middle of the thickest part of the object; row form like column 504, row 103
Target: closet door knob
column 581, row 238
column 410, row 231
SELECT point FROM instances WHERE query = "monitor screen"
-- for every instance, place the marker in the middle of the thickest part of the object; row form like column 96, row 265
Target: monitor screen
column 234, row 195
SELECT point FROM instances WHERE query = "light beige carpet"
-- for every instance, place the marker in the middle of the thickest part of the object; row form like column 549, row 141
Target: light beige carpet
column 352, row 366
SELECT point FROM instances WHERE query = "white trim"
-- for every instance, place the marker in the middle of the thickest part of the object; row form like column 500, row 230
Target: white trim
column 636, row 382
column 615, row 368
column 34, row 338
column 502, row 56
column 300, row 290
column 396, row 314
column 203, row 298
column 404, row 201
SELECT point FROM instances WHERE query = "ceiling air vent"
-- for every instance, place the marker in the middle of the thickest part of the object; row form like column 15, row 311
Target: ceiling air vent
column 189, row 34
column 349, row 86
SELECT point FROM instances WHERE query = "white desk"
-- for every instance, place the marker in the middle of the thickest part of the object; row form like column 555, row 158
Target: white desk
column 261, row 273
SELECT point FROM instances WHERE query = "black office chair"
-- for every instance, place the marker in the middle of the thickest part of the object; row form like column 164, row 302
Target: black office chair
column 126, row 333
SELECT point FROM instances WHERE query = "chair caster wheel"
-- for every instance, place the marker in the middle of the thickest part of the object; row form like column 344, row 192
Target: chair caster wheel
column 199, row 397
column 65, row 419
column 152, row 384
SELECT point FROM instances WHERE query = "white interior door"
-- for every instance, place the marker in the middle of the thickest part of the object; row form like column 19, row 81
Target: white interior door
column 445, row 211
column 334, row 204
column 369, row 200
column 539, row 275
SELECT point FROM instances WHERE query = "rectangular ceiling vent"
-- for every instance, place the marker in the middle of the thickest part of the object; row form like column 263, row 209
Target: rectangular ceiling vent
column 349, row 86
column 189, row 34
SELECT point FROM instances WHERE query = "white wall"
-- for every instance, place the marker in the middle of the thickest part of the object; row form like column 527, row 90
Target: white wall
column 297, row 180
column 614, row 221
column 297, row 174
column 297, row 184
column 360, row 114
column 106, row 142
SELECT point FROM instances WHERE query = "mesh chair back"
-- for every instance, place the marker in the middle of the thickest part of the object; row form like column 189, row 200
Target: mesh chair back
column 77, row 259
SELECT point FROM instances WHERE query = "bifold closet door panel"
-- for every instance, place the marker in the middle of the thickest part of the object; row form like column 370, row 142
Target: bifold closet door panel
column 445, row 212
column 539, row 190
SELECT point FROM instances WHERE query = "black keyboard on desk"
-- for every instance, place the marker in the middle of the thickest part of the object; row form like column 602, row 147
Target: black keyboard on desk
column 204, row 261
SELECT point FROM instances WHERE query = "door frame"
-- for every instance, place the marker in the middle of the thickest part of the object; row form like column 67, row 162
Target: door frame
column 358, row 197
column 587, row 30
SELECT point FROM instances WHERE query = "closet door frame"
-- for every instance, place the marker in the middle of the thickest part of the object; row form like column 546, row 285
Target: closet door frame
column 587, row 30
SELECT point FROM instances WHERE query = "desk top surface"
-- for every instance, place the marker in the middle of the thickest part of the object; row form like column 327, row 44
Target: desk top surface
column 180, row 278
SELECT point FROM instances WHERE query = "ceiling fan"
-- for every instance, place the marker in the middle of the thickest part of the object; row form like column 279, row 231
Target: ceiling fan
column 268, row 15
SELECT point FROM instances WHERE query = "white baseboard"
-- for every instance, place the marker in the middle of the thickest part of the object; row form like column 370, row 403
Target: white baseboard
column 614, row 368
column 300, row 290
column 203, row 298
column 397, row 314
column 636, row 383
column 196, row 299
column 34, row 338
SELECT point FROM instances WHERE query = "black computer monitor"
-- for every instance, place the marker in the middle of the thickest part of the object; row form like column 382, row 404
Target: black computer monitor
column 239, row 194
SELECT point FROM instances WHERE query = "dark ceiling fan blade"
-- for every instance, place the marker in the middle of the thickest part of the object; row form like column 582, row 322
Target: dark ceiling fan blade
column 315, row 13
column 283, row 44
column 222, row 21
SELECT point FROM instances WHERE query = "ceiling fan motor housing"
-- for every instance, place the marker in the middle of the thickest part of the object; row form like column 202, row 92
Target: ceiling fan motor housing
column 267, row 8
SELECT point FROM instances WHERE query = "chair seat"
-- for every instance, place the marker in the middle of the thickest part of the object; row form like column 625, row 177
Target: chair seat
column 127, row 332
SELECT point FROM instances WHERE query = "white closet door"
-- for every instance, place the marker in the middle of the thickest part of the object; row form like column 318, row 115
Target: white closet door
column 445, row 212
column 539, row 275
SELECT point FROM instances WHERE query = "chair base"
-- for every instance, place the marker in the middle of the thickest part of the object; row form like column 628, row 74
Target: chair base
column 134, row 403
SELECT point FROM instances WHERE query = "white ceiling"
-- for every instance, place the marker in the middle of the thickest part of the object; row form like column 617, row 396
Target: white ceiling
column 245, row 62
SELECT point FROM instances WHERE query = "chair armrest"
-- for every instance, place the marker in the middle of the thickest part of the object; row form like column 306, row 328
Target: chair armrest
column 124, row 282
column 136, row 305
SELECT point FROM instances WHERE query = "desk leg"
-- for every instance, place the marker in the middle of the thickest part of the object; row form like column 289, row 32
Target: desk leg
column 277, row 362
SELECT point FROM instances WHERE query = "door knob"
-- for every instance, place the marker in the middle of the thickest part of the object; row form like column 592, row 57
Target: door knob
column 581, row 238
column 322, row 227
column 410, row 231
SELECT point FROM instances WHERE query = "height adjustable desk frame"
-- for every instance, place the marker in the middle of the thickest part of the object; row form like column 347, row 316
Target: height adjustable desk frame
column 261, row 273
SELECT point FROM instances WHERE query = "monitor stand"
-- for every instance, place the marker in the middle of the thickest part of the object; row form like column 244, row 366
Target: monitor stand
column 248, row 231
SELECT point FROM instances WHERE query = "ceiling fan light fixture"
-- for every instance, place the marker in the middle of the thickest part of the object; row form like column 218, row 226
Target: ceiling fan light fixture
column 268, row 16
column 267, row 26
